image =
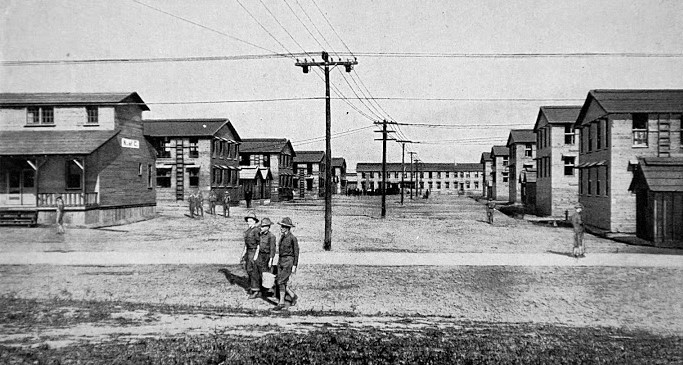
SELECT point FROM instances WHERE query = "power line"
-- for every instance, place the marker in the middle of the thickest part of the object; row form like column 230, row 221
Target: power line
column 460, row 126
column 264, row 28
column 304, row 24
column 331, row 27
column 201, row 26
column 519, row 55
column 150, row 59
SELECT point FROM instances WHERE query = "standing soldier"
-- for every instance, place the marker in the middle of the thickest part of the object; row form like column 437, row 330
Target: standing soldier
column 289, row 260
column 199, row 203
column 266, row 252
column 226, row 204
column 190, row 200
column 60, row 215
column 250, row 254
column 579, row 229
column 247, row 197
column 212, row 202
column 490, row 207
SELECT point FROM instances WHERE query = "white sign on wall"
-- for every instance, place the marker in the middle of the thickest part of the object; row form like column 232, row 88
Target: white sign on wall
column 130, row 143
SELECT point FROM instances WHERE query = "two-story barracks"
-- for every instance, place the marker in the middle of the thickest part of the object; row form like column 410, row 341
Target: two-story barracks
column 87, row 148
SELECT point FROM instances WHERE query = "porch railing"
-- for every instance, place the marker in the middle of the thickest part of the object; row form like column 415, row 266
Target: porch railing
column 70, row 199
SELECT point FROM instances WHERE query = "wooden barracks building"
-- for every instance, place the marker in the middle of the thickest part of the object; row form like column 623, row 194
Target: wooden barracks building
column 630, row 156
column 443, row 178
column 275, row 154
column 88, row 148
column 309, row 174
column 500, row 173
column 195, row 155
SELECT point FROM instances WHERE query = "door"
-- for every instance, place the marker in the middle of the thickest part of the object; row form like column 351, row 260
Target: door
column 28, row 187
column 13, row 188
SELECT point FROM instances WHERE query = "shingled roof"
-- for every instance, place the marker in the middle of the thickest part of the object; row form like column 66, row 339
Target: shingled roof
column 338, row 162
column 563, row 114
column 71, row 99
column 186, row 127
column 265, row 145
column 499, row 151
column 470, row 166
column 485, row 156
column 17, row 143
column 309, row 156
column 631, row 101
column 521, row 136
column 659, row 174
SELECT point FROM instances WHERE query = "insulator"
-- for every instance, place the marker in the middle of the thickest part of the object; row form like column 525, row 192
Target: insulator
column 305, row 69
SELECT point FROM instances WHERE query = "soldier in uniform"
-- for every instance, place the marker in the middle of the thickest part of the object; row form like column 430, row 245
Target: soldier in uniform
column 266, row 252
column 579, row 229
column 490, row 207
column 212, row 202
column 190, row 201
column 226, row 204
column 60, row 215
column 250, row 253
column 287, row 263
column 199, row 203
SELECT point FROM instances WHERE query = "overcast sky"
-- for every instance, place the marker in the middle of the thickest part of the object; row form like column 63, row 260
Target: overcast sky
column 124, row 29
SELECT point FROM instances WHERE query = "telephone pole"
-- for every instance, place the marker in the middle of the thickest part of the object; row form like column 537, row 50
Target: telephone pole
column 403, row 161
column 384, row 132
column 412, row 174
column 417, row 178
column 326, row 64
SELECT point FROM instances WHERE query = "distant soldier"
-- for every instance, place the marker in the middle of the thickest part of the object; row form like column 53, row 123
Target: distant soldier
column 60, row 215
column 190, row 201
column 199, row 203
column 490, row 207
column 212, row 202
column 247, row 197
column 579, row 229
column 226, row 204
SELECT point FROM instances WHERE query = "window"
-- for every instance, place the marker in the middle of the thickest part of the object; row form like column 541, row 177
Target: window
column 597, row 181
column 40, row 115
column 540, row 167
column 429, row 174
column 467, row 174
column 568, row 165
column 568, row 134
column 581, row 176
column 194, row 148
column 462, row 186
column 395, row 175
column 438, row 175
column 422, row 185
column 467, row 184
column 163, row 148
column 506, row 161
column 590, row 181
column 528, row 150
column 295, row 169
column 149, row 176
column 606, row 180
column 448, row 174
column 422, row 175
column 74, row 174
column 640, row 129
column 266, row 160
column 448, row 185
column 438, row 185
column 590, row 137
column 476, row 184
column 430, row 185
column 93, row 114
column 245, row 159
column 505, row 176
column 309, row 184
column 598, row 135
column 309, row 169
column 140, row 169
column 163, row 178
column 362, row 175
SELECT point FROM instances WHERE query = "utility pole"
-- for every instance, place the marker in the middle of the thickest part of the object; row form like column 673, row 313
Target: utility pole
column 325, row 65
column 403, row 161
column 417, row 178
column 384, row 132
column 412, row 174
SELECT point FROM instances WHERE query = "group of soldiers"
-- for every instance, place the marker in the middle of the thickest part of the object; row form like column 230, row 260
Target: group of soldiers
column 196, row 203
column 579, row 249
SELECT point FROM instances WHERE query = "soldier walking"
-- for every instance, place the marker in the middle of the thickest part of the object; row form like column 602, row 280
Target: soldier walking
column 490, row 207
column 250, row 254
column 266, row 252
column 579, row 229
column 287, row 263
column 199, row 203
column 226, row 204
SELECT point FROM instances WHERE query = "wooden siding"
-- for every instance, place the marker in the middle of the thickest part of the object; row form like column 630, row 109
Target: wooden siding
column 65, row 118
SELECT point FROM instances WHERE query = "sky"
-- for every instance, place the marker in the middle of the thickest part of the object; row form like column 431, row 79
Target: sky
column 410, row 68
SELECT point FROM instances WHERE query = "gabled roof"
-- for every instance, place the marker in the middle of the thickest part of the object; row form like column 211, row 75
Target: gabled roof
column 521, row 136
column 71, row 99
column 563, row 114
column 659, row 174
column 252, row 172
column 499, row 151
column 632, row 101
column 265, row 145
column 52, row 142
column 309, row 157
column 528, row 176
column 186, row 127
column 338, row 162
column 485, row 156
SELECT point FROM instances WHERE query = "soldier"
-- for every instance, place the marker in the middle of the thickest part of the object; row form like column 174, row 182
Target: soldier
column 212, row 202
column 490, row 207
column 190, row 200
column 250, row 254
column 266, row 252
column 60, row 215
column 247, row 197
column 226, row 204
column 287, row 264
column 579, row 229
column 199, row 203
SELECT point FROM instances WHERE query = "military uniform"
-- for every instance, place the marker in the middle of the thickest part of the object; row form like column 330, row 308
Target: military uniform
column 251, row 242
column 579, row 229
column 490, row 206
column 266, row 249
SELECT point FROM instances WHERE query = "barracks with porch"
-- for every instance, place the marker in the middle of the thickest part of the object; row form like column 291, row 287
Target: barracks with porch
column 444, row 178
column 275, row 154
column 88, row 148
